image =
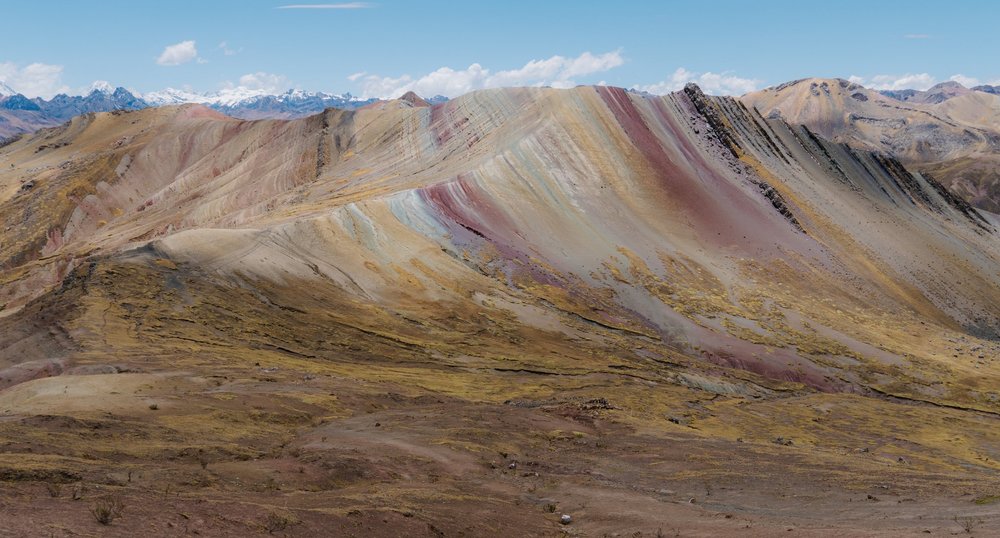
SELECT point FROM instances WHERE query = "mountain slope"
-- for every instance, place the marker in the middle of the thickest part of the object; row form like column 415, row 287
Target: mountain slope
column 955, row 140
column 586, row 299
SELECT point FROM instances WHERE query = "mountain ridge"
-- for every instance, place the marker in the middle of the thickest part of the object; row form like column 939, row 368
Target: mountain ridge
column 240, row 103
column 866, row 119
column 955, row 139
column 487, row 313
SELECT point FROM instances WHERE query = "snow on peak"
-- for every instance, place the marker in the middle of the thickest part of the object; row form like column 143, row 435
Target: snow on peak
column 5, row 90
column 226, row 97
column 234, row 96
column 237, row 95
column 102, row 86
column 172, row 96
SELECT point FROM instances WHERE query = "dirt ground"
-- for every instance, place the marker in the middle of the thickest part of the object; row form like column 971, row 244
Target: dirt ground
column 294, row 454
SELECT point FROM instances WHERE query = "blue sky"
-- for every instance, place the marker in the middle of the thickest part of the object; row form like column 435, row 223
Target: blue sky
column 384, row 47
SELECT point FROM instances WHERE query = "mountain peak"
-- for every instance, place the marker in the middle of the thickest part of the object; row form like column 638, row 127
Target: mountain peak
column 817, row 85
column 18, row 102
column 937, row 93
column 101, row 86
column 414, row 99
column 5, row 90
column 948, row 84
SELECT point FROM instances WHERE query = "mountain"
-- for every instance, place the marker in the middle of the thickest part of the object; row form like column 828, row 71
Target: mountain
column 936, row 94
column 987, row 89
column 955, row 140
column 469, row 319
column 238, row 102
column 258, row 104
column 62, row 107
column 6, row 91
column 18, row 102
column 414, row 99
column 19, row 115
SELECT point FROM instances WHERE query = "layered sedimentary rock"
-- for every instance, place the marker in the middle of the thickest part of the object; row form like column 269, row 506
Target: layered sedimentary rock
column 629, row 250
column 949, row 132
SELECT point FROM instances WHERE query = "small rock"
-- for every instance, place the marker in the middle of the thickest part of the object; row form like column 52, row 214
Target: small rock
column 565, row 519
column 512, row 465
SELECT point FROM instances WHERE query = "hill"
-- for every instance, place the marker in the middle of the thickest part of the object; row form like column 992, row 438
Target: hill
column 953, row 137
column 473, row 317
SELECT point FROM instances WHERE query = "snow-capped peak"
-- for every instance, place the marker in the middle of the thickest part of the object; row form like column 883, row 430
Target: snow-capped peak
column 5, row 90
column 226, row 97
column 173, row 96
column 102, row 86
column 237, row 95
column 234, row 96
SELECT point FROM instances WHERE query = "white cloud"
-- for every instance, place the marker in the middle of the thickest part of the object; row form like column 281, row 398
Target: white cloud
column 228, row 51
column 557, row 71
column 34, row 80
column 909, row 81
column 178, row 54
column 356, row 76
column 267, row 82
column 968, row 82
column 344, row 5
column 713, row 83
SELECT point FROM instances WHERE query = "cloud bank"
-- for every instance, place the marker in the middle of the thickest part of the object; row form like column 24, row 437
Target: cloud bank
column 34, row 80
column 914, row 81
column 266, row 82
column 908, row 81
column 556, row 71
column 724, row 83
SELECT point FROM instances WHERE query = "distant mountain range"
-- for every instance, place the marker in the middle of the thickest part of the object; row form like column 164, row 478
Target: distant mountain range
column 938, row 93
column 19, row 114
column 258, row 104
column 948, row 130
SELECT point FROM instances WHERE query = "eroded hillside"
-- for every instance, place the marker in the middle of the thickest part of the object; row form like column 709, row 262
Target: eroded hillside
column 950, row 133
column 648, row 313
